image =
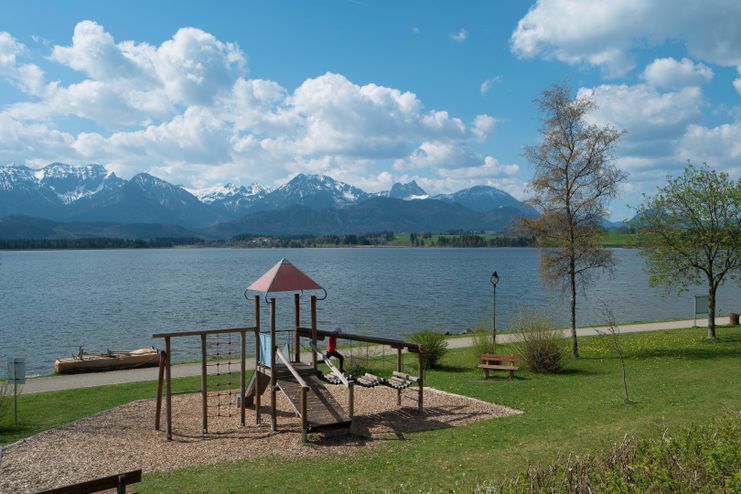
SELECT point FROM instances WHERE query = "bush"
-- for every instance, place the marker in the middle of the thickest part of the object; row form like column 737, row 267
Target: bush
column 702, row 459
column 482, row 342
column 434, row 345
column 538, row 343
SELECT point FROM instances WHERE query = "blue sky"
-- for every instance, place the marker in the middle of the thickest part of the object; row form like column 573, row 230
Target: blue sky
column 367, row 92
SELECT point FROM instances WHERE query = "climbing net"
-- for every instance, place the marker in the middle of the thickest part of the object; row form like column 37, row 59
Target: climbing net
column 220, row 354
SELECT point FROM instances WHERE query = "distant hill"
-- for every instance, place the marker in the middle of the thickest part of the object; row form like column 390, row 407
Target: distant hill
column 25, row 227
column 374, row 215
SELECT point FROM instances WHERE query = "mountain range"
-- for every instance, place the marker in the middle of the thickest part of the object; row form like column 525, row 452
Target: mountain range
column 69, row 201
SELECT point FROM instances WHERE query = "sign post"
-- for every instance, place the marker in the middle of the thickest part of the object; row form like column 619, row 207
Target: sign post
column 16, row 376
column 701, row 307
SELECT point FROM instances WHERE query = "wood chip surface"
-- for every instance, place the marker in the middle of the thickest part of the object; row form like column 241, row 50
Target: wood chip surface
column 123, row 438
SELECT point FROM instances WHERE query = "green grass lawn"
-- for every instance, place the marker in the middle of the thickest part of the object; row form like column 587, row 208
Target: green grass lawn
column 675, row 378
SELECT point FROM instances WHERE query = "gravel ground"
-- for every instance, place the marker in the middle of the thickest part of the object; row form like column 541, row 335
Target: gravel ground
column 124, row 438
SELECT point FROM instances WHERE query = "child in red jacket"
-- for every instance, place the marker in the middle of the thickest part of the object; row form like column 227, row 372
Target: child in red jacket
column 332, row 349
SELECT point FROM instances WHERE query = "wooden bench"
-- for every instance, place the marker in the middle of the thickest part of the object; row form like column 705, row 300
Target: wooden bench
column 492, row 361
column 113, row 484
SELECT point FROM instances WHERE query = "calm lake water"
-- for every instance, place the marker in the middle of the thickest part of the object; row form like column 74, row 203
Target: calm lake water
column 54, row 301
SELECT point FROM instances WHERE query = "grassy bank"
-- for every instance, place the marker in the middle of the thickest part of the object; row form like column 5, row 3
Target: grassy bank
column 676, row 378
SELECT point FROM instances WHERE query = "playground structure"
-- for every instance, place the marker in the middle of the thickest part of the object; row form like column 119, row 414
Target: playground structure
column 302, row 383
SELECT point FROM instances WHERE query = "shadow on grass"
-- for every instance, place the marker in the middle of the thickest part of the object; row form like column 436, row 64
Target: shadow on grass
column 452, row 368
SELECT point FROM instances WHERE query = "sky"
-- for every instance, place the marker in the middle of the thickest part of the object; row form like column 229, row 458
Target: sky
column 368, row 92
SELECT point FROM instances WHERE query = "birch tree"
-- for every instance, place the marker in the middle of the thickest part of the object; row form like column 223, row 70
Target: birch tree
column 573, row 183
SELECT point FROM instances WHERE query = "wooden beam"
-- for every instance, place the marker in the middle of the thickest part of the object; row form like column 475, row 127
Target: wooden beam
column 160, row 382
column 398, row 369
column 203, row 331
column 242, row 376
column 297, row 321
column 321, row 334
column 421, row 381
column 313, row 331
column 273, row 386
column 304, row 418
column 97, row 485
column 168, row 391
column 258, row 374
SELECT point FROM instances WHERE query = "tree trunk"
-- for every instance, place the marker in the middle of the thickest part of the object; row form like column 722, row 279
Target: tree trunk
column 711, row 309
column 574, row 347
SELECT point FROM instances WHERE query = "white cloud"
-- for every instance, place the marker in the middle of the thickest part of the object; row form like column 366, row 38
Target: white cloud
column 186, row 111
column 737, row 82
column 460, row 36
column 604, row 34
column 29, row 78
column 488, row 83
column 654, row 120
column 670, row 73
column 719, row 146
column 483, row 125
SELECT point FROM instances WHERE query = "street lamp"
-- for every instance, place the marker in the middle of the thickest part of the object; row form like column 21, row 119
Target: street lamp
column 494, row 280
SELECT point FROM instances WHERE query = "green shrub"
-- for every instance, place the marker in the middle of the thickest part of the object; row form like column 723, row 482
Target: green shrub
column 434, row 345
column 699, row 459
column 482, row 343
column 538, row 343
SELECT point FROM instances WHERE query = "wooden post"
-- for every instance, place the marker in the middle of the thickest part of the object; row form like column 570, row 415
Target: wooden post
column 313, row 329
column 204, row 385
column 160, row 379
column 398, row 369
column 168, row 391
column 258, row 374
column 297, row 320
column 421, row 382
column 242, row 377
column 351, row 399
column 304, row 421
column 273, row 385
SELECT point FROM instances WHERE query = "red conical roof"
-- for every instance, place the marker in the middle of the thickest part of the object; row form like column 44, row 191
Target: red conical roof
column 284, row 277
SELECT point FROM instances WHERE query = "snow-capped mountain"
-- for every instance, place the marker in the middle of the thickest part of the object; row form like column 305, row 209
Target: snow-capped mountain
column 483, row 198
column 409, row 191
column 90, row 193
column 314, row 191
column 21, row 193
column 235, row 199
column 145, row 199
column 71, row 183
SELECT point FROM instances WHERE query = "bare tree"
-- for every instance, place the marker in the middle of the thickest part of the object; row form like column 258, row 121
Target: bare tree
column 613, row 332
column 574, row 181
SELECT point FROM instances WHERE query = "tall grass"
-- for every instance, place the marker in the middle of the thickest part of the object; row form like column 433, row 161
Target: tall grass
column 699, row 459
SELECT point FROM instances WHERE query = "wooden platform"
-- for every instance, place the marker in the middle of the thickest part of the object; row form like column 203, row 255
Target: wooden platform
column 323, row 412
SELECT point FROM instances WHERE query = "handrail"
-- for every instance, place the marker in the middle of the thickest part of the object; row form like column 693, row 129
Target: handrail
column 321, row 334
column 291, row 368
column 204, row 332
column 331, row 366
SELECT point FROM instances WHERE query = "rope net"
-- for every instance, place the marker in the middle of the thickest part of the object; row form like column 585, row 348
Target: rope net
column 219, row 357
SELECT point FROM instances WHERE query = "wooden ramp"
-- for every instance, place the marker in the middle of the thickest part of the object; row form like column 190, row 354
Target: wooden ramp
column 250, row 390
column 322, row 410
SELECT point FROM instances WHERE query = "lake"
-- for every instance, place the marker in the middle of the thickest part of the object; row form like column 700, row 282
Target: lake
column 54, row 301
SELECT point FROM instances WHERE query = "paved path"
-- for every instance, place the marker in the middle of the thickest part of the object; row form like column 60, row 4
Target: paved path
column 58, row 383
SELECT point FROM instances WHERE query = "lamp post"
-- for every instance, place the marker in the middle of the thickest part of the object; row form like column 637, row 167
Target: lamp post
column 494, row 280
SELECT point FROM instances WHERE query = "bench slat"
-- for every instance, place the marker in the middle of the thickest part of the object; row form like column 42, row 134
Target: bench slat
column 498, row 367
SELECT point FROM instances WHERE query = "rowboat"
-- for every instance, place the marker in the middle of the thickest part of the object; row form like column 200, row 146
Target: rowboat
column 112, row 360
